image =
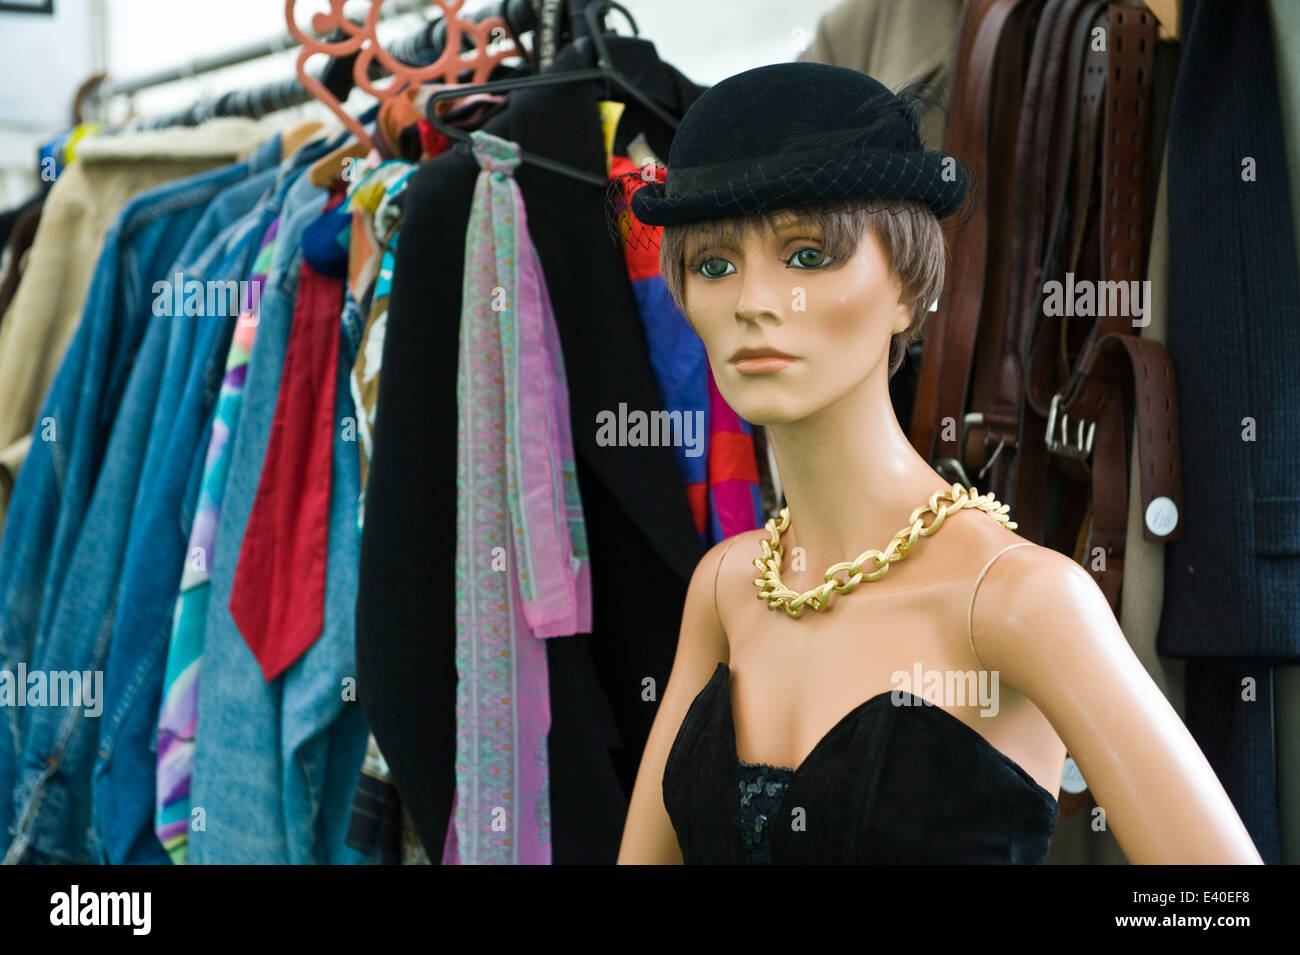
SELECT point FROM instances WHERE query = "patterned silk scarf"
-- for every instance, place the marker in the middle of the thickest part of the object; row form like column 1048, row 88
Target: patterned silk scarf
column 522, row 570
column 720, row 471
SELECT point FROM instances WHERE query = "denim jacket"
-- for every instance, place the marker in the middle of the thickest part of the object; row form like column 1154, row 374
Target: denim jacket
column 63, row 546
column 276, row 764
column 124, row 775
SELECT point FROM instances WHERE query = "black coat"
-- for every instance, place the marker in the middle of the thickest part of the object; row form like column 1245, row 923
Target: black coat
column 642, row 540
column 1232, row 584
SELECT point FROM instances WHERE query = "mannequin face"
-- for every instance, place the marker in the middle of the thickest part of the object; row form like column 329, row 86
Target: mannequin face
column 779, row 292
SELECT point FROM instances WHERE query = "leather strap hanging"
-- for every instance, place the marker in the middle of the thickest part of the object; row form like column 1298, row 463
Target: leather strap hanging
column 962, row 128
column 1048, row 124
column 1082, row 96
column 1013, row 84
column 990, row 31
column 1114, row 360
column 1038, row 474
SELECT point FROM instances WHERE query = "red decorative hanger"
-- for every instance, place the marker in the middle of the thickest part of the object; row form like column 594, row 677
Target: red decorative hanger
column 361, row 39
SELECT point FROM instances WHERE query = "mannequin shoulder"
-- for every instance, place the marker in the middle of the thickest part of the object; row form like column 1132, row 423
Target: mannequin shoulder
column 1018, row 570
column 711, row 584
column 727, row 562
column 727, row 568
column 1033, row 596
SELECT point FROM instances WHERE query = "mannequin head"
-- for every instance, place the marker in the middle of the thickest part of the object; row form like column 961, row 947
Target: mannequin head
column 800, row 215
column 843, row 288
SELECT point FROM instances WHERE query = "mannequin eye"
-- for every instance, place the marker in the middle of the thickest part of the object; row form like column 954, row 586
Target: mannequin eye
column 715, row 268
column 809, row 258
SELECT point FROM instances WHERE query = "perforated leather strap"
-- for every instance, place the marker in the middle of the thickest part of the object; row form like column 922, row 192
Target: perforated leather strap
column 1046, row 365
column 1114, row 356
column 1096, row 394
column 1124, row 151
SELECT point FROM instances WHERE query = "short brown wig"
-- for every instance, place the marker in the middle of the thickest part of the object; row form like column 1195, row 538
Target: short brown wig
column 910, row 237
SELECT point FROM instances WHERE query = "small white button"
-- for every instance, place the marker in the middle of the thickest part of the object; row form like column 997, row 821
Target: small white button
column 1162, row 516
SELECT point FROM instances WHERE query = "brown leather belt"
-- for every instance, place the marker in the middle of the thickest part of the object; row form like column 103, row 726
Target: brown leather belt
column 985, row 95
column 1081, row 97
column 1046, row 357
column 1044, row 151
column 1114, row 359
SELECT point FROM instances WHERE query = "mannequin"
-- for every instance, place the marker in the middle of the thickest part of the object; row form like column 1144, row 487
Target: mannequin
column 803, row 330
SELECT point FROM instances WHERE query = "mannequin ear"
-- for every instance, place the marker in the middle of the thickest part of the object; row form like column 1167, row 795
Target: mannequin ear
column 902, row 317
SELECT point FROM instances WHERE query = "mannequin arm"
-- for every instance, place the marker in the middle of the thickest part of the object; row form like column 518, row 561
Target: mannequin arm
column 1041, row 621
column 648, row 835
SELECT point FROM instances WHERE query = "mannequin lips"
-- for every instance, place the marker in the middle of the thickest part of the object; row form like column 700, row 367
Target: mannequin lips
column 760, row 361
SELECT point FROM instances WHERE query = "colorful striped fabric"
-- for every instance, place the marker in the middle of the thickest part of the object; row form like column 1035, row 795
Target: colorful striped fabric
column 733, row 485
column 375, row 201
column 185, row 650
column 722, row 483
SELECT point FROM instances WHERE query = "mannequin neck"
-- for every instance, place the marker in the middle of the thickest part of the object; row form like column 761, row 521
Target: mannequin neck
column 850, row 475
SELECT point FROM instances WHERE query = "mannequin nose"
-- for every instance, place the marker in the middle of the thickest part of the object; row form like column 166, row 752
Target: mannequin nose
column 760, row 295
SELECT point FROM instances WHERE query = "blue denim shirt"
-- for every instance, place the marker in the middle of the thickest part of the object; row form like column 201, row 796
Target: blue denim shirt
column 323, row 729
column 125, row 772
column 276, row 764
column 53, row 489
column 52, row 796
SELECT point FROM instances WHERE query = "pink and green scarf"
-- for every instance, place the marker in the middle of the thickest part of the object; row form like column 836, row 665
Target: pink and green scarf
column 522, row 569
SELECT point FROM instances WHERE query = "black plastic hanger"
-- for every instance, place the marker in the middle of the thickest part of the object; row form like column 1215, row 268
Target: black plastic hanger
column 604, row 70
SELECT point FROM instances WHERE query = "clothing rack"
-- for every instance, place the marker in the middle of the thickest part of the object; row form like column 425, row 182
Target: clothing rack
column 420, row 48
column 281, row 43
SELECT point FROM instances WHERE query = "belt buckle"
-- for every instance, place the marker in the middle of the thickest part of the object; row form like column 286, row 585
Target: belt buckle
column 978, row 419
column 1081, row 448
column 950, row 469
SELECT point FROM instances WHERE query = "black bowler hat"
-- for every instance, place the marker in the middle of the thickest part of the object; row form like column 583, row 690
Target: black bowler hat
column 797, row 134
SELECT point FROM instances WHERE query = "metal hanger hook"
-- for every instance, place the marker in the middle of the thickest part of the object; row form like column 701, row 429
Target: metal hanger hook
column 595, row 14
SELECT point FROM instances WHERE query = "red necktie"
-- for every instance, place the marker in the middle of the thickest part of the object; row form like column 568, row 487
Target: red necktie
column 278, row 597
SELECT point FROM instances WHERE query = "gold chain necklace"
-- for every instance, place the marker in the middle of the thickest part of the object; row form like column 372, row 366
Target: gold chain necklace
column 941, row 504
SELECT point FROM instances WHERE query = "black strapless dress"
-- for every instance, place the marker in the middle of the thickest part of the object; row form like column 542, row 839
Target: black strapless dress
column 886, row 784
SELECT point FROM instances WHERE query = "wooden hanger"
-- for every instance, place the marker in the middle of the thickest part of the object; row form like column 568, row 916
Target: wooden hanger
column 324, row 172
column 293, row 138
